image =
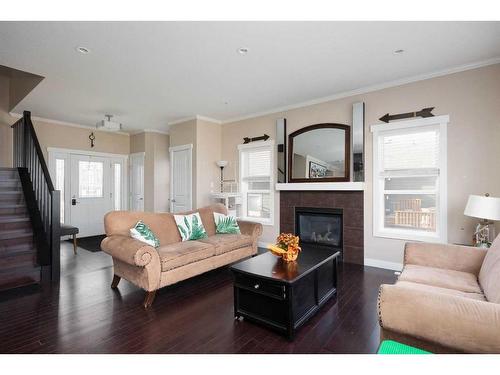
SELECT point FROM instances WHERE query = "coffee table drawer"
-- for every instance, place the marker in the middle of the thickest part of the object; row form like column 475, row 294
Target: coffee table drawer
column 260, row 285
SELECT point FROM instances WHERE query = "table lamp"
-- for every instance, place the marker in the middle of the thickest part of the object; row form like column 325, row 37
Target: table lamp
column 487, row 209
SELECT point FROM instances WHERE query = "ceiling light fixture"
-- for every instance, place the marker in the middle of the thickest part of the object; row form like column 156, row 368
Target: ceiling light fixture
column 243, row 50
column 83, row 50
column 399, row 51
column 108, row 124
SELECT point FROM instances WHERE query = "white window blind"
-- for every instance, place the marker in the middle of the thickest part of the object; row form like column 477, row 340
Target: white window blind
column 256, row 181
column 410, row 180
column 412, row 150
column 257, row 163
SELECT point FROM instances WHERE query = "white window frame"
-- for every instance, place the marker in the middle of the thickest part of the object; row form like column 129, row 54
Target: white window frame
column 243, row 190
column 401, row 127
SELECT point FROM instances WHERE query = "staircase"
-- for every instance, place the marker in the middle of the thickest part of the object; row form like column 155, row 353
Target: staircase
column 18, row 254
column 29, row 214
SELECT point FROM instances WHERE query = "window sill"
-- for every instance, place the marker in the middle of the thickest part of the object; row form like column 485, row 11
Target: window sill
column 410, row 236
column 255, row 220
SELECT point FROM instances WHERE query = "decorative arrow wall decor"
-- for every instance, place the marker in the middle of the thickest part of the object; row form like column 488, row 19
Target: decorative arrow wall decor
column 264, row 137
column 426, row 112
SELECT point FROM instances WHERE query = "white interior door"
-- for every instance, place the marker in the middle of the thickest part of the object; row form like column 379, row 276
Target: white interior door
column 137, row 181
column 90, row 193
column 180, row 178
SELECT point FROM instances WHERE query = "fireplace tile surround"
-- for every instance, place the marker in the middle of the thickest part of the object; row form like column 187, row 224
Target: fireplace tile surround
column 351, row 203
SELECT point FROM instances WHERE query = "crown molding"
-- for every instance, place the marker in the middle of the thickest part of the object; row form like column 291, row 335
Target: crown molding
column 208, row 119
column 367, row 89
column 185, row 119
column 65, row 123
column 149, row 131
column 196, row 117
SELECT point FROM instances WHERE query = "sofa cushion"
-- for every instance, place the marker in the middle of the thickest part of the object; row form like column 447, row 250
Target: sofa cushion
column 462, row 281
column 436, row 289
column 228, row 242
column 489, row 275
column 182, row 253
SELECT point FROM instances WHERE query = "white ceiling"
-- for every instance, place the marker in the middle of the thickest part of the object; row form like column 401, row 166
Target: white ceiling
column 152, row 73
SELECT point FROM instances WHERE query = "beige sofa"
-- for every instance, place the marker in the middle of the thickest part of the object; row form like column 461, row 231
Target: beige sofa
column 446, row 300
column 152, row 269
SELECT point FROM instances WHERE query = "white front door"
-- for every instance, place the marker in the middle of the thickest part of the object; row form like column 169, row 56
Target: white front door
column 90, row 193
column 137, row 181
column 180, row 178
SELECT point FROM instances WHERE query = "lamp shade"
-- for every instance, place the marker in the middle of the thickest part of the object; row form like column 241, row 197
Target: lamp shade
column 483, row 207
column 221, row 163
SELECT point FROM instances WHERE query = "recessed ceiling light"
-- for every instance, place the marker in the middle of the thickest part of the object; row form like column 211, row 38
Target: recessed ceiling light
column 83, row 50
column 243, row 50
column 399, row 51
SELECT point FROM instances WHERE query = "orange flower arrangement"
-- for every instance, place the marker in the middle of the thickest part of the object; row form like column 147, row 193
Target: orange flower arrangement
column 287, row 247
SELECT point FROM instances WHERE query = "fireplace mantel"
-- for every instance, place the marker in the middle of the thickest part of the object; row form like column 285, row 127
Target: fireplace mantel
column 322, row 186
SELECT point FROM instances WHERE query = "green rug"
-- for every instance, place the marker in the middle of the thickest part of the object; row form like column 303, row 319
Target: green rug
column 393, row 347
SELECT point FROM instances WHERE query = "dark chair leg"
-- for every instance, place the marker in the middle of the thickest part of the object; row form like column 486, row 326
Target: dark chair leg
column 148, row 300
column 116, row 280
column 74, row 243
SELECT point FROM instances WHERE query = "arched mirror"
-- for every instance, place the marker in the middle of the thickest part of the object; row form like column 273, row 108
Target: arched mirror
column 319, row 153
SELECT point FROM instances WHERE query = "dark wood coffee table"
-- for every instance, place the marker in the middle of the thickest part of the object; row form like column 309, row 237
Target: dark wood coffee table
column 283, row 296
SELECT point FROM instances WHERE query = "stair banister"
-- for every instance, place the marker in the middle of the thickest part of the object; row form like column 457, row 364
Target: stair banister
column 42, row 199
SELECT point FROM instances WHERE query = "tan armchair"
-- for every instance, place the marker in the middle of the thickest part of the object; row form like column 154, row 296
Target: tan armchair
column 447, row 299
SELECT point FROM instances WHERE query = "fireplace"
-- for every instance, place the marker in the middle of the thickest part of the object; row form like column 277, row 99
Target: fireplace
column 321, row 227
column 348, row 205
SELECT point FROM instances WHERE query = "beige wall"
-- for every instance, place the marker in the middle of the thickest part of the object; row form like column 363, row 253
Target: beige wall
column 471, row 98
column 161, row 157
column 138, row 143
column 184, row 133
column 156, row 169
column 75, row 138
column 208, row 151
column 5, row 121
column 206, row 137
column 149, row 172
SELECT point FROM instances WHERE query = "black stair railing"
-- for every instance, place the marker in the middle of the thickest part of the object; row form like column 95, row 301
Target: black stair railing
column 42, row 200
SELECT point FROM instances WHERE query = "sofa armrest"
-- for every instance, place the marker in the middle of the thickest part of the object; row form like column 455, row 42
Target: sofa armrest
column 130, row 250
column 450, row 257
column 250, row 228
column 455, row 322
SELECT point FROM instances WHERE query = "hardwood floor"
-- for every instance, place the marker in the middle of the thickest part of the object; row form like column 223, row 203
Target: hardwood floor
column 84, row 315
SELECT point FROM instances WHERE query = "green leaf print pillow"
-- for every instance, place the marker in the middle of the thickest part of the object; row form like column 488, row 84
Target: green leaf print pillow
column 190, row 227
column 225, row 224
column 144, row 234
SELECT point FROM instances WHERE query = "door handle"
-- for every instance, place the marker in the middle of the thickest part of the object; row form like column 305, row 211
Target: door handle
column 74, row 202
column 172, row 200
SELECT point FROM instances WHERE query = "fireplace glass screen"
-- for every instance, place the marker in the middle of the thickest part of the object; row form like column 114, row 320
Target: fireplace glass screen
column 319, row 226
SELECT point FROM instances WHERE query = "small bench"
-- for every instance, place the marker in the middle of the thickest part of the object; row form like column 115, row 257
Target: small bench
column 68, row 230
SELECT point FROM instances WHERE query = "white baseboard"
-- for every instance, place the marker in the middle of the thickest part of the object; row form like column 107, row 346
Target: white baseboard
column 383, row 264
column 262, row 244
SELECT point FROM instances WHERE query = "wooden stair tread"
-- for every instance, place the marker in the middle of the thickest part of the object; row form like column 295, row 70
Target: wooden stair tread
column 10, row 205
column 13, row 218
column 8, row 235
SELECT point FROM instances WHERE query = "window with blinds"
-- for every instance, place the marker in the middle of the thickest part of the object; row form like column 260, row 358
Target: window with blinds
column 409, row 181
column 256, row 181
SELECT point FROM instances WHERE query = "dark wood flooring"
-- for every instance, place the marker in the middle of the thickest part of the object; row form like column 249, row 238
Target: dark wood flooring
column 84, row 315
